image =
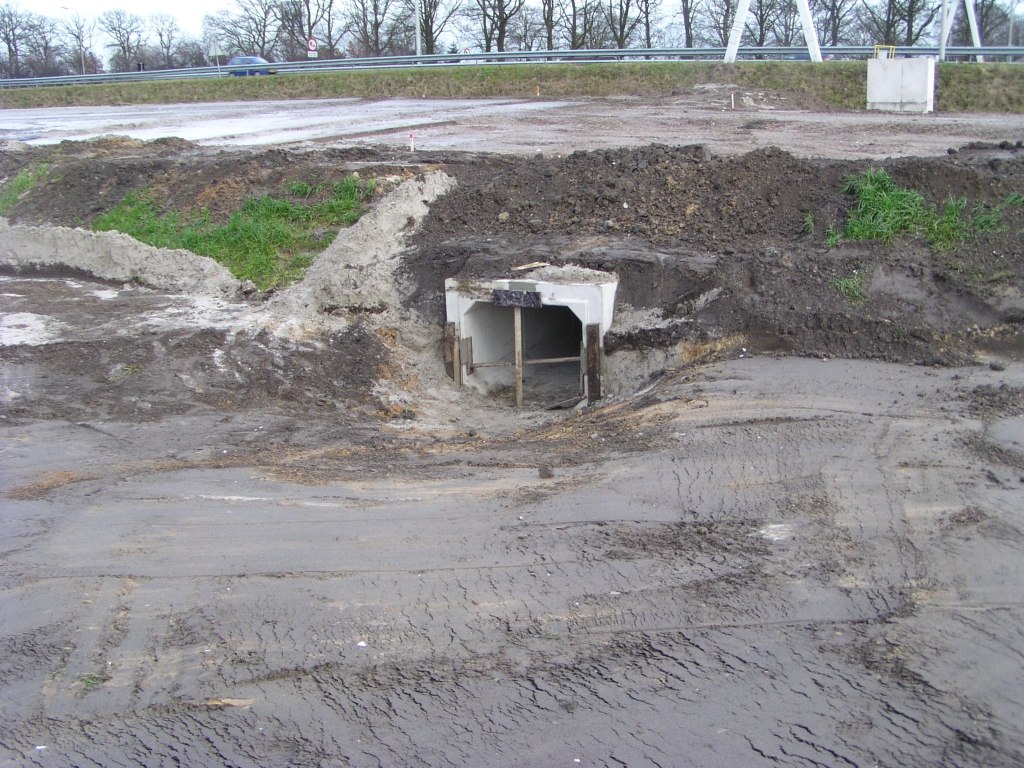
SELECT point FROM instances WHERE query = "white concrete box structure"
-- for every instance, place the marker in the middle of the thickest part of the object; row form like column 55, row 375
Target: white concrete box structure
column 901, row 85
column 545, row 328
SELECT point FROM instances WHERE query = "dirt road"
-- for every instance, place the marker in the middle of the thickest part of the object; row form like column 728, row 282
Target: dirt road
column 527, row 126
column 231, row 540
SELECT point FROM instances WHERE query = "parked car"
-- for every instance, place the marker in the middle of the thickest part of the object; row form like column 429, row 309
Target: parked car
column 250, row 65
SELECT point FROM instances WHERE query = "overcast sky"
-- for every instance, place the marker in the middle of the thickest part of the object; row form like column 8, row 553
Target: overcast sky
column 188, row 12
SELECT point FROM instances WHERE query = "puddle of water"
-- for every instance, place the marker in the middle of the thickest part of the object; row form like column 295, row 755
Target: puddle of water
column 204, row 312
column 28, row 328
column 776, row 532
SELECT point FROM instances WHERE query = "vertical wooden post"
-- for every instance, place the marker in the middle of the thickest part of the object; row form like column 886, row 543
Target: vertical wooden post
column 450, row 342
column 593, row 363
column 456, row 353
column 452, row 364
column 517, row 322
column 583, row 369
column 466, row 354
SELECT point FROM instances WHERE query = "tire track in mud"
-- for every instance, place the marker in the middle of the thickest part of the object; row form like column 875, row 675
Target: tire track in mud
column 748, row 594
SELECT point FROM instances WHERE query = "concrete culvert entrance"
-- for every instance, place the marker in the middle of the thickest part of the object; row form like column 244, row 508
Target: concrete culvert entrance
column 552, row 333
column 543, row 338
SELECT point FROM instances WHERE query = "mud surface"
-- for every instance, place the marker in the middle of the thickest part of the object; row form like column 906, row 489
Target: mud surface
column 706, row 114
column 226, row 544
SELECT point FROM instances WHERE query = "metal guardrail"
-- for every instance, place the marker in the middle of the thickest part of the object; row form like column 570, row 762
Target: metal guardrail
column 511, row 57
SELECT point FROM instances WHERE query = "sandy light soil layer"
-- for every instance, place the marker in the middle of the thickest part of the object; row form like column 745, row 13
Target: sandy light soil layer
column 254, row 530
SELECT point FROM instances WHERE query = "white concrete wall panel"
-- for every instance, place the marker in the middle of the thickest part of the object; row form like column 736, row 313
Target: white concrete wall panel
column 901, row 85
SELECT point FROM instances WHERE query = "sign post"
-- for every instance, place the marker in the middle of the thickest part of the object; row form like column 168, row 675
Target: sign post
column 215, row 53
column 311, row 51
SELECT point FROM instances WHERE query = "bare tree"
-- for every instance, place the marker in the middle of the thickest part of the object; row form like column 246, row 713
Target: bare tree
column 919, row 16
column 689, row 10
column 78, row 31
column 298, row 21
column 526, row 32
column 899, row 22
column 377, row 27
column 165, row 27
column 127, row 35
column 648, row 11
column 550, row 16
column 13, row 30
column 621, row 20
column 788, row 29
column 250, row 27
column 993, row 23
column 190, row 52
column 760, row 22
column 44, row 47
column 835, row 20
column 882, row 22
column 332, row 30
column 492, row 20
column 435, row 16
column 717, row 18
column 584, row 25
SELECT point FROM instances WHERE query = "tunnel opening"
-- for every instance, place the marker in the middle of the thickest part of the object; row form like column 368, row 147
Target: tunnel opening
column 540, row 339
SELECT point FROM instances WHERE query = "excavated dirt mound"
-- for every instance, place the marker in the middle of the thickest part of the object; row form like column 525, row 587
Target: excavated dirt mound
column 721, row 246
column 715, row 248
column 141, row 359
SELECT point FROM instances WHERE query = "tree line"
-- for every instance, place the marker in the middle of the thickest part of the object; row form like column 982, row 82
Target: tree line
column 35, row 45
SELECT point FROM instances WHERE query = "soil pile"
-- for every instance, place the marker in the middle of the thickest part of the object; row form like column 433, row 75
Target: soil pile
column 707, row 248
column 722, row 246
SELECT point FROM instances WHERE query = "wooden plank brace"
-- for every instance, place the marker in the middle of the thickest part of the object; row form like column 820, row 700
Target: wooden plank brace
column 593, row 362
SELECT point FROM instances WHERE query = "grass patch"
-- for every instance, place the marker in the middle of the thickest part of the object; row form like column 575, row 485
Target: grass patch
column 94, row 680
column 1015, row 199
column 986, row 219
column 960, row 87
column 271, row 241
column 836, row 83
column 850, row 288
column 988, row 87
column 885, row 210
column 948, row 229
column 19, row 185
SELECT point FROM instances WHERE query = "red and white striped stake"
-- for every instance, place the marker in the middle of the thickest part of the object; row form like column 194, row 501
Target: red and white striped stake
column 412, row 143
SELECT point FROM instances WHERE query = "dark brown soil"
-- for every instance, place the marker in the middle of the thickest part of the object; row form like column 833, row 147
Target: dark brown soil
column 674, row 223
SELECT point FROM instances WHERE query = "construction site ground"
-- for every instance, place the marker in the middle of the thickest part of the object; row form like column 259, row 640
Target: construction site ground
column 265, row 529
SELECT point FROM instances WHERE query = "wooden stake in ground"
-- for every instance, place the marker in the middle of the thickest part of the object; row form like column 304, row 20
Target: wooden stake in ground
column 593, row 363
column 517, row 322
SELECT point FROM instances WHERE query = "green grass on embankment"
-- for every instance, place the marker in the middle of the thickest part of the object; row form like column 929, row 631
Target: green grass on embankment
column 842, row 84
column 271, row 241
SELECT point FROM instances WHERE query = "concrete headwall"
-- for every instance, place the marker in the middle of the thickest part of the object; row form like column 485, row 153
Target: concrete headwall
column 901, row 85
column 113, row 256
